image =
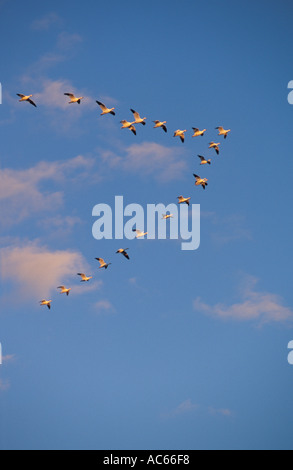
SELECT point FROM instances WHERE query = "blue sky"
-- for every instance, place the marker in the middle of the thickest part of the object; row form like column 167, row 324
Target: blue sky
column 172, row 349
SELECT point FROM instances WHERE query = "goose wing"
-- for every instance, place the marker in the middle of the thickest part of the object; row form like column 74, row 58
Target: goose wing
column 135, row 114
column 102, row 106
column 32, row 102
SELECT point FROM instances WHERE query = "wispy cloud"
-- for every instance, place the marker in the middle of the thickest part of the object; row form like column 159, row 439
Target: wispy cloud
column 254, row 305
column 220, row 411
column 104, row 306
column 228, row 228
column 46, row 22
column 59, row 226
column 187, row 407
column 8, row 358
column 66, row 47
column 68, row 41
column 21, row 192
column 148, row 158
column 48, row 93
column 36, row 270
column 51, row 95
column 85, row 288
column 4, row 385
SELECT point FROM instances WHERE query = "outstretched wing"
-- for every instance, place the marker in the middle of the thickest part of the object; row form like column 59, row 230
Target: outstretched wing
column 31, row 102
column 132, row 128
column 135, row 114
column 102, row 106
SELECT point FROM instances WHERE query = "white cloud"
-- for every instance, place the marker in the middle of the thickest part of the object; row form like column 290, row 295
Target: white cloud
column 59, row 226
column 67, row 41
column 220, row 411
column 86, row 287
column 35, row 271
column 148, row 158
column 51, row 95
column 4, row 385
column 229, row 228
column 46, row 22
column 22, row 192
column 8, row 358
column 104, row 306
column 254, row 305
column 187, row 407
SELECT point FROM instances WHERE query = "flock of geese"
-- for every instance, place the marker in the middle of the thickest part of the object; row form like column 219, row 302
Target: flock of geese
column 131, row 126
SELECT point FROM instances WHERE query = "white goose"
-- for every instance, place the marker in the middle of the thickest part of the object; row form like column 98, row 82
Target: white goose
column 46, row 303
column 137, row 118
column 139, row 233
column 200, row 181
column 128, row 125
column 123, row 252
column 223, row 132
column 180, row 133
column 104, row 109
column 197, row 132
column 64, row 290
column 84, row 278
column 204, row 161
column 103, row 264
column 182, row 199
column 215, row 146
column 26, row 98
column 161, row 124
column 73, row 98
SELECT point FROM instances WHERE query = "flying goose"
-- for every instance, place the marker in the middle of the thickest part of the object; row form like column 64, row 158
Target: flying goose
column 223, row 132
column 182, row 199
column 84, row 278
column 73, row 98
column 128, row 125
column 180, row 134
column 200, row 181
column 160, row 124
column 215, row 146
column 46, row 303
column 123, row 252
column 197, row 132
column 26, row 98
column 63, row 290
column 105, row 110
column 102, row 263
column 138, row 119
column 204, row 161
column 139, row 233
column 167, row 216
